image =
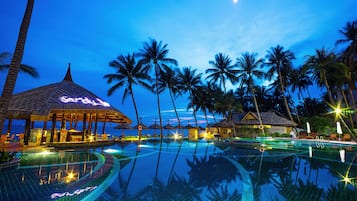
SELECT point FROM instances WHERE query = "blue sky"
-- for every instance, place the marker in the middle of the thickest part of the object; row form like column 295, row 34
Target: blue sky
column 89, row 34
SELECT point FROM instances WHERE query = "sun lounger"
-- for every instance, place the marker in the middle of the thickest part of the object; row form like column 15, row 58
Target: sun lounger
column 347, row 137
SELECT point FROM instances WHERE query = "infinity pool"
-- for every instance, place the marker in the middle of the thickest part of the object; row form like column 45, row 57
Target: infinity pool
column 268, row 170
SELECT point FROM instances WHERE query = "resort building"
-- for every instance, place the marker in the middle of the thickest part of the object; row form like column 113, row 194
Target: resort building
column 67, row 103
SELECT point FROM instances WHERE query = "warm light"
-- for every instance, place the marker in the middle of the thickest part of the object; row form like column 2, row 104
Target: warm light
column 91, row 138
column 45, row 153
column 71, row 176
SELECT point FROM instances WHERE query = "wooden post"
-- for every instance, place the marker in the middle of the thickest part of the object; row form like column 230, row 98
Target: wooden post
column 84, row 125
column 27, row 131
column 53, row 126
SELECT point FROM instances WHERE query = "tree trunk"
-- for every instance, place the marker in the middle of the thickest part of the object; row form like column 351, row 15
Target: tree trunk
column 285, row 100
column 15, row 64
column 158, row 100
column 136, row 112
column 177, row 116
column 257, row 108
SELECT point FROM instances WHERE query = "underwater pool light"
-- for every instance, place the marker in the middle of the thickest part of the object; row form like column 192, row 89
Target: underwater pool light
column 112, row 151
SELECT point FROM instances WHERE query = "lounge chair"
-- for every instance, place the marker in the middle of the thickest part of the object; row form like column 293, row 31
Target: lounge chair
column 347, row 137
column 3, row 138
column 333, row 136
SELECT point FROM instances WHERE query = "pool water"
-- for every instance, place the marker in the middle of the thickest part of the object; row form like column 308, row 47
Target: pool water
column 269, row 170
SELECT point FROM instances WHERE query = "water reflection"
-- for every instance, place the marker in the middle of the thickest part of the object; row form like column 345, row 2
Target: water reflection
column 201, row 171
column 188, row 171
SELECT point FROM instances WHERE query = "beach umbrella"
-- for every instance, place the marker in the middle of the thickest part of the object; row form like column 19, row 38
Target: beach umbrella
column 188, row 126
column 168, row 126
column 339, row 129
column 122, row 126
column 154, row 126
column 308, row 130
column 142, row 126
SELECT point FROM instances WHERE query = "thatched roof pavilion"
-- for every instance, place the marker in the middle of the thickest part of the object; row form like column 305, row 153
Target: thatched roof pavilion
column 63, row 101
column 62, row 98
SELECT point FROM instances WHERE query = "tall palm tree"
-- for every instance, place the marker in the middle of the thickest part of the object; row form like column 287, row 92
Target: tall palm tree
column 349, row 58
column 128, row 73
column 15, row 64
column 154, row 55
column 190, row 83
column 350, row 36
column 23, row 67
column 321, row 64
column 168, row 79
column 249, row 69
column 300, row 81
column 278, row 59
column 222, row 70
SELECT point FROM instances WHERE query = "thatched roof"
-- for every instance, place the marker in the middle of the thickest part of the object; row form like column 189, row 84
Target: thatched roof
column 268, row 118
column 65, row 99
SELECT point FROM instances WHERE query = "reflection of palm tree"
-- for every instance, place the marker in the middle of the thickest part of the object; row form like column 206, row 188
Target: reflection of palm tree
column 131, row 171
column 174, row 163
column 177, row 189
column 301, row 191
column 340, row 192
column 215, row 195
column 15, row 63
column 207, row 171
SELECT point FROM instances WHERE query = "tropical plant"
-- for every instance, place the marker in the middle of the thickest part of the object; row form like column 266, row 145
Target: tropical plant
column 168, row 79
column 15, row 64
column 249, row 69
column 155, row 55
column 228, row 106
column 222, row 70
column 279, row 60
column 321, row 65
column 129, row 72
column 190, row 81
column 23, row 67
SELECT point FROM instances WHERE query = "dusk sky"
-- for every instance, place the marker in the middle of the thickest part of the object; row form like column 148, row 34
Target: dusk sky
column 89, row 34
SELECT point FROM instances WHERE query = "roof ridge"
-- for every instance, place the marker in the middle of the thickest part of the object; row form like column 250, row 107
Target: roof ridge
column 68, row 76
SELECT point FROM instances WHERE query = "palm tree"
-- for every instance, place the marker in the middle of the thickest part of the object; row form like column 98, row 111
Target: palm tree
column 320, row 65
column 190, row 83
column 228, row 105
column 23, row 67
column 300, row 81
column 168, row 79
column 15, row 64
column 349, row 33
column 154, row 55
column 249, row 70
column 128, row 73
column 222, row 70
column 278, row 59
column 350, row 36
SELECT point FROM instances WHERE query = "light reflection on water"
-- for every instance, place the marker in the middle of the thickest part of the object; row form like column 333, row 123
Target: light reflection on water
column 279, row 170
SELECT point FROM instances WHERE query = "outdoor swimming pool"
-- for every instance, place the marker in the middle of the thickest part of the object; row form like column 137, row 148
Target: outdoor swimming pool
column 271, row 170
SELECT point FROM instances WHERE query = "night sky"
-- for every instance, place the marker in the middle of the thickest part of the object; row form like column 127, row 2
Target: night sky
column 89, row 34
